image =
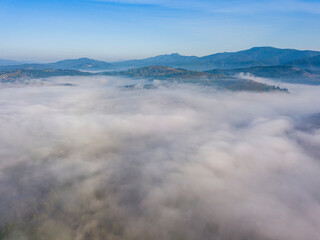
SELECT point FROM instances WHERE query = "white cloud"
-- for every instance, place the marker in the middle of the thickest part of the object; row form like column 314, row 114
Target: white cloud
column 97, row 161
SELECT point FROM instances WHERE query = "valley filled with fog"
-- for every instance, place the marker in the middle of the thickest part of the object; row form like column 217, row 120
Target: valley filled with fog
column 103, row 157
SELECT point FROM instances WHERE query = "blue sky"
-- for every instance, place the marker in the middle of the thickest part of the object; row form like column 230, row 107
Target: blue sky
column 48, row 30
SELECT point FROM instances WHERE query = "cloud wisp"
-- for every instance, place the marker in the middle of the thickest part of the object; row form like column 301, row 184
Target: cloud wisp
column 235, row 6
column 97, row 161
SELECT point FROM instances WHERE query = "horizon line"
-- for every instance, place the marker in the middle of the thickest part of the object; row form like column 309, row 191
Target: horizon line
column 132, row 59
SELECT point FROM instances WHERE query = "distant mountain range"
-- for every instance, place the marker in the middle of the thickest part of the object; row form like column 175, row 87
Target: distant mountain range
column 72, row 64
column 257, row 56
column 81, row 64
column 170, row 60
column 6, row 62
column 286, row 65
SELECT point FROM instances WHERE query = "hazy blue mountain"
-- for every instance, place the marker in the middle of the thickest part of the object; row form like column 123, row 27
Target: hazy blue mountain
column 172, row 60
column 76, row 64
column 258, row 56
column 280, row 73
column 81, row 64
column 4, row 62
column 312, row 63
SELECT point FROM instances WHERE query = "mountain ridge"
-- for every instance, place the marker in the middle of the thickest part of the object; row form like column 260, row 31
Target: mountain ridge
column 72, row 64
column 277, row 73
column 8, row 62
column 256, row 56
column 167, row 74
column 311, row 63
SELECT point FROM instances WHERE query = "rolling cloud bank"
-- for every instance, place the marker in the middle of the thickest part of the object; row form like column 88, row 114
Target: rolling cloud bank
column 95, row 160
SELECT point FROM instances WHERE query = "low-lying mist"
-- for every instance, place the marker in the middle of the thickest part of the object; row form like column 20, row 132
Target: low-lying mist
column 94, row 160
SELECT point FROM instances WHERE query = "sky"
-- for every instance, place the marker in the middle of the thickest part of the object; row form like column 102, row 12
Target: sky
column 112, row 30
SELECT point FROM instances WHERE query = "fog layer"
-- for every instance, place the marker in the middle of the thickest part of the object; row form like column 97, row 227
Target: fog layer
column 99, row 161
